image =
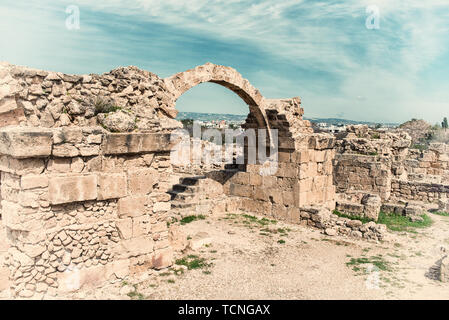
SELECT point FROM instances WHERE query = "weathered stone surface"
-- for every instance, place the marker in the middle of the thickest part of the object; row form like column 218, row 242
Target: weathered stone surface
column 133, row 206
column 118, row 121
column 199, row 240
column 33, row 181
column 136, row 143
column 112, row 185
column 72, row 188
column 20, row 142
column 142, row 181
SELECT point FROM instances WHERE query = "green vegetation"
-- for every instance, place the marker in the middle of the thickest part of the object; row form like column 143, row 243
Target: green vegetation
column 444, row 124
column 420, row 147
column 135, row 294
column 192, row 218
column 401, row 223
column 440, row 213
column 281, row 241
column 377, row 261
column 187, row 123
column 103, row 106
column 262, row 221
column 344, row 215
column 193, row 262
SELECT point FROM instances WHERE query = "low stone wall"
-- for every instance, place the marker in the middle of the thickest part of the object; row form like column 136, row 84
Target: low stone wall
column 392, row 171
column 316, row 217
column 354, row 172
column 419, row 191
column 430, row 165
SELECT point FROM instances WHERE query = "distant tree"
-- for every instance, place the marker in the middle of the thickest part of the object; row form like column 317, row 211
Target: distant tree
column 378, row 125
column 187, row 123
column 444, row 124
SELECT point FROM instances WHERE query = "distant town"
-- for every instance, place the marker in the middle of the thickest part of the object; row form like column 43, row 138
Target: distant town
column 233, row 121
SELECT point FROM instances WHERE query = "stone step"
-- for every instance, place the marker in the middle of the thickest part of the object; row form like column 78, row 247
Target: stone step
column 185, row 188
column 191, row 181
column 182, row 196
column 182, row 205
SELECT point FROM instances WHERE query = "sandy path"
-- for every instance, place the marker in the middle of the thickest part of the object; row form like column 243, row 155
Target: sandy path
column 309, row 265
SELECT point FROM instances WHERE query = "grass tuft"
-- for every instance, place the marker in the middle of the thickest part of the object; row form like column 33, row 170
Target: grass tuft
column 402, row 223
column 440, row 213
column 193, row 262
column 192, row 218
column 377, row 261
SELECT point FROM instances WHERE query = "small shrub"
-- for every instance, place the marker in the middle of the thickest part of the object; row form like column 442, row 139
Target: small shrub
column 192, row 218
column 103, row 106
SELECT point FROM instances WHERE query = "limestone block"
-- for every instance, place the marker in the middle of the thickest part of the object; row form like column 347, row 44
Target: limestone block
column 303, row 199
column 33, row 181
column 199, row 240
column 261, row 193
column 8, row 104
column 287, row 170
column 161, row 206
column 372, row 204
column 133, row 206
column 65, row 150
column 162, row 258
column 240, row 177
column 142, row 181
column 136, row 246
column 241, row 190
column 280, row 212
column 72, row 189
column 305, row 185
column 141, row 226
column 12, row 118
column 120, row 143
column 284, row 156
column 112, row 186
column 255, row 179
column 125, row 228
column 25, row 142
column 59, row 165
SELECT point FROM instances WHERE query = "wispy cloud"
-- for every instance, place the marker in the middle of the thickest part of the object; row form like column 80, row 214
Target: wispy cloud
column 319, row 50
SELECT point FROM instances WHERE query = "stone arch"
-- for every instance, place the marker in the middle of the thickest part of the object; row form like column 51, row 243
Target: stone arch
column 227, row 77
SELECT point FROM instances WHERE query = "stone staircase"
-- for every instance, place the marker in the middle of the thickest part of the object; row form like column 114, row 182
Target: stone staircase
column 201, row 194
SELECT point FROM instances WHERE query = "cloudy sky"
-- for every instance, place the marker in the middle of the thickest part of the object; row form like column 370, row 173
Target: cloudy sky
column 321, row 51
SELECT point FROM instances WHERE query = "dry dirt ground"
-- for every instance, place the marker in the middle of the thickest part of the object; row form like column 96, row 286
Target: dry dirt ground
column 247, row 258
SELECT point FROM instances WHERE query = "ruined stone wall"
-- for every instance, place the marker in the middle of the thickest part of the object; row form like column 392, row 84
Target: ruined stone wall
column 87, row 187
column 77, row 217
column 360, row 173
column 430, row 165
column 123, row 100
column 419, row 191
column 381, row 163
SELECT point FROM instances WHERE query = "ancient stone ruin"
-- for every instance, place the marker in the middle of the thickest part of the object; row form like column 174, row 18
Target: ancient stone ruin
column 89, row 194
